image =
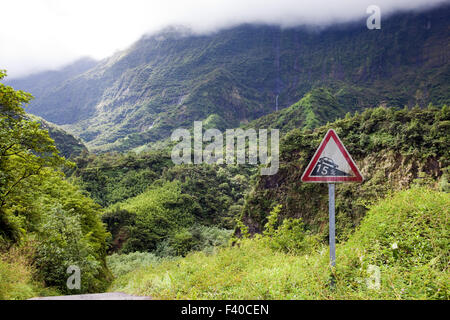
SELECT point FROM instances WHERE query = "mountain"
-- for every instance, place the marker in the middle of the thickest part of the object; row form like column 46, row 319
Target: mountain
column 42, row 83
column 234, row 76
column 68, row 145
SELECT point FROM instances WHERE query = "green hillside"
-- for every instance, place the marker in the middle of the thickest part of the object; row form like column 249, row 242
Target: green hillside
column 47, row 223
column 416, row 267
column 316, row 108
column 67, row 144
column 172, row 78
column 392, row 147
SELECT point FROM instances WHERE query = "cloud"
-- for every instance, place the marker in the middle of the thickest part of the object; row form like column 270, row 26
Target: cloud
column 46, row 34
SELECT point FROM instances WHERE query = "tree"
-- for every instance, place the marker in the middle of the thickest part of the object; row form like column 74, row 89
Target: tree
column 25, row 151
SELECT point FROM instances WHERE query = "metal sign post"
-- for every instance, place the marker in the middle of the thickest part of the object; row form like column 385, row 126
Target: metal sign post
column 332, row 224
column 331, row 164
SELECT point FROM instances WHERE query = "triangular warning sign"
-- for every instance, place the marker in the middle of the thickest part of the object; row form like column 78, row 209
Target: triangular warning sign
column 332, row 163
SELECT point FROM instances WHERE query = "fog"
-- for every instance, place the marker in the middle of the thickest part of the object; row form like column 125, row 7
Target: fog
column 37, row 35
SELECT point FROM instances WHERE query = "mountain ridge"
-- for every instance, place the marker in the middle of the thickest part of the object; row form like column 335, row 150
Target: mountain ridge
column 165, row 81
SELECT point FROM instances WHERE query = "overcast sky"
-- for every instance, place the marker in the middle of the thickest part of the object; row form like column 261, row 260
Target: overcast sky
column 46, row 34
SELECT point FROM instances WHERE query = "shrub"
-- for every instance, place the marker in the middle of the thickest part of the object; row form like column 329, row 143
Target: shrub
column 196, row 238
column 17, row 274
column 160, row 212
column 406, row 235
column 62, row 244
column 290, row 236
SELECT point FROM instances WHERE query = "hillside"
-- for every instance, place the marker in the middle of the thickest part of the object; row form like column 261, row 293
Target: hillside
column 290, row 264
column 393, row 148
column 172, row 78
column 47, row 224
column 316, row 108
column 42, row 83
column 93, row 199
column 67, row 144
column 395, row 222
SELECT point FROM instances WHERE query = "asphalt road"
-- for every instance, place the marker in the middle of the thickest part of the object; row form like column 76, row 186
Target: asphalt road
column 95, row 296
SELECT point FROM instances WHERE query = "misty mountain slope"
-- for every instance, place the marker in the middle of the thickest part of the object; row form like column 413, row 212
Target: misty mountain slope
column 170, row 79
column 68, row 145
column 43, row 83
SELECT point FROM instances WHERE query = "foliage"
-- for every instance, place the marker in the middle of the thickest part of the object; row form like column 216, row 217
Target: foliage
column 210, row 195
column 392, row 147
column 290, row 236
column 215, row 189
column 25, row 150
column 110, row 178
column 316, row 108
column 195, row 238
column 407, row 235
column 67, row 144
column 17, row 274
column 418, row 269
column 63, row 244
column 70, row 232
column 162, row 220
column 37, row 203
column 160, row 211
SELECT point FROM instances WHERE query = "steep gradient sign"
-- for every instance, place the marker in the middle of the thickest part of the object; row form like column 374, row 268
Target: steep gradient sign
column 332, row 163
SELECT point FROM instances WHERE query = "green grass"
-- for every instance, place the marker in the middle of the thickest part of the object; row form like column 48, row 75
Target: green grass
column 415, row 220
column 121, row 264
column 17, row 276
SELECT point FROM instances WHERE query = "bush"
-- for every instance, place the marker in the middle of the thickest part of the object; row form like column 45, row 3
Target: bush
column 17, row 275
column 62, row 244
column 118, row 223
column 406, row 235
column 196, row 238
column 290, row 236
column 160, row 212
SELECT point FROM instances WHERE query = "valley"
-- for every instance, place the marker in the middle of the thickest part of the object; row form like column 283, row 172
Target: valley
column 88, row 177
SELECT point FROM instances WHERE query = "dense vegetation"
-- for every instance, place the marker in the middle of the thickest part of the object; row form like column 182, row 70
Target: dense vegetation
column 157, row 212
column 68, row 145
column 316, row 108
column 405, row 236
column 190, row 206
column 114, row 177
column 46, row 223
column 392, row 148
column 172, row 78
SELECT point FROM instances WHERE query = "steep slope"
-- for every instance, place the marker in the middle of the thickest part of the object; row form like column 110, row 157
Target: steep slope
column 67, row 144
column 392, row 148
column 42, row 83
column 170, row 79
column 316, row 108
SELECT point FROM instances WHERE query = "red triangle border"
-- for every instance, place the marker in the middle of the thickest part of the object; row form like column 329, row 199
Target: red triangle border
column 331, row 134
